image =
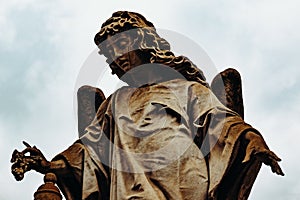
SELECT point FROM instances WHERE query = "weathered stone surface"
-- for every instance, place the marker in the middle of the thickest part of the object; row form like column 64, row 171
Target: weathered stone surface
column 48, row 191
column 164, row 136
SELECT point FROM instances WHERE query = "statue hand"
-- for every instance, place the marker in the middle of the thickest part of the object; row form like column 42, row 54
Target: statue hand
column 257, row 148
column 22, row 163
column 19, row 166
column 270, row 158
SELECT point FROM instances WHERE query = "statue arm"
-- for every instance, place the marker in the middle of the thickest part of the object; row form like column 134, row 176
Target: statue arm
column 227, row 86
column 59, row 167
column 258, row 148
column 23, row 163
column 89, row 101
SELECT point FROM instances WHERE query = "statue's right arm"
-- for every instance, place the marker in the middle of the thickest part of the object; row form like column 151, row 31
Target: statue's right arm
column 59, row 167
column 21, row 163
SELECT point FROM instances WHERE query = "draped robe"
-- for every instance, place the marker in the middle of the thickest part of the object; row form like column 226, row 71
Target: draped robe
column 168, row 140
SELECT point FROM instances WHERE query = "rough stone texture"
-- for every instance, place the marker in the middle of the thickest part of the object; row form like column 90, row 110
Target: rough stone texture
column 48, row 191
column 89, row 99
column 227, row 86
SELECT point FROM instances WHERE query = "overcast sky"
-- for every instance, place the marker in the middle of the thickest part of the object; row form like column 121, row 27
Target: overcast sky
column 44, row 45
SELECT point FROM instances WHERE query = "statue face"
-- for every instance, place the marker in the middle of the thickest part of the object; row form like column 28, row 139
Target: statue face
column 120, row 55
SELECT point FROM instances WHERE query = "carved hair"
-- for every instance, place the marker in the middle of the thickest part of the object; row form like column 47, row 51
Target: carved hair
column 148, row 42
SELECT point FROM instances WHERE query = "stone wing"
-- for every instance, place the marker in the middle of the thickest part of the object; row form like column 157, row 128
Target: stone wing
column 89, row 100
column 227, row 86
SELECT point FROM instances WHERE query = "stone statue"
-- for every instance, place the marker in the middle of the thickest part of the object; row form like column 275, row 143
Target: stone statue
column 167, row 135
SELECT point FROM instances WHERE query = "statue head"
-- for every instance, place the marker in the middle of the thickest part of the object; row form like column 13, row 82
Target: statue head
column 128, row 40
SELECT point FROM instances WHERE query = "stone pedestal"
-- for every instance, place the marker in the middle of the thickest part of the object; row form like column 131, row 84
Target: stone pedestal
column 48, row 191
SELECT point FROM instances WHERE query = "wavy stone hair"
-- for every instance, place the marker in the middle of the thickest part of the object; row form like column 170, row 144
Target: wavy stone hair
column 148, row 42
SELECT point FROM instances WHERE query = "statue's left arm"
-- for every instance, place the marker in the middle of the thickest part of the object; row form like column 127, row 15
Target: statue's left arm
column 258, row 149
column 234, row 150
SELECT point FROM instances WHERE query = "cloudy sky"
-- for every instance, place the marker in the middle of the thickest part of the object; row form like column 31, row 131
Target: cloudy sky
column 45, row 44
